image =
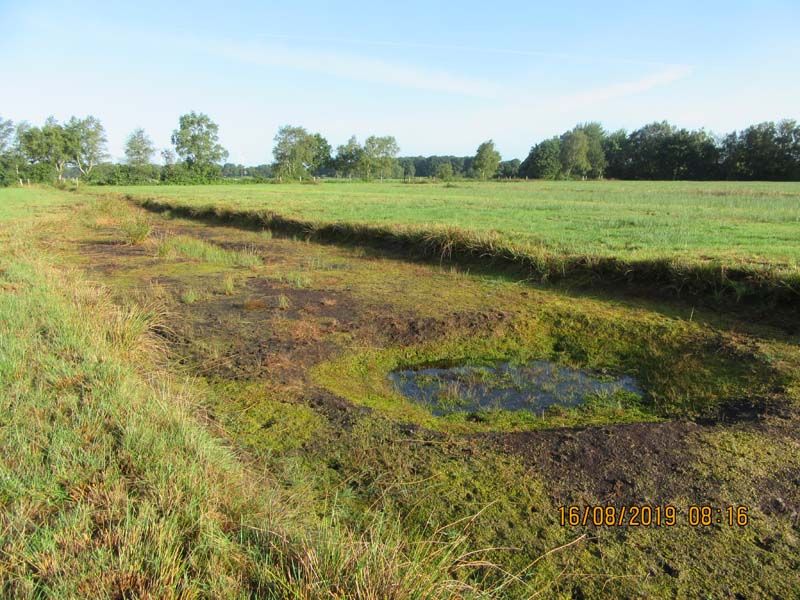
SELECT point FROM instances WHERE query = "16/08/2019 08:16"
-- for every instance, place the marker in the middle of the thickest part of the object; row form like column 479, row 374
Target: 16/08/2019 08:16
column 656, row 515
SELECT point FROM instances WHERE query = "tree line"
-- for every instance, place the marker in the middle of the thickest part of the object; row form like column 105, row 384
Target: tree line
column 660, row 151
column 77, row 149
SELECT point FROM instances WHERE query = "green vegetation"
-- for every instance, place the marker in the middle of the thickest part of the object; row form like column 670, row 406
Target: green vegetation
column 111, row 484
column 670, row 359
column 249, row 443
column 710, row 242
column 631, row 220
column 767, row 151
column 179, row 245
column 136, row 229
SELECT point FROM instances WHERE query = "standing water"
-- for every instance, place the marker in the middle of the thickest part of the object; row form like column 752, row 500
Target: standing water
column 534, row 386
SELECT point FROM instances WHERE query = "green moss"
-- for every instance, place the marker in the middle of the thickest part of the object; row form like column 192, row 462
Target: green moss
column 679, row 365
column 254, row 414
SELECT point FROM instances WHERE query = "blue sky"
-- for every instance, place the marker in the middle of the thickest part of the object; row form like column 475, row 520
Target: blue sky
column 439, row 76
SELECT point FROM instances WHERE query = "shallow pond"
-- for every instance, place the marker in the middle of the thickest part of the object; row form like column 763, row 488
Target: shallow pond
column 534, row 386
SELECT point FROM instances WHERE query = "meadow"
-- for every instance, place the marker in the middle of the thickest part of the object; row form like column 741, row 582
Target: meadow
column 733, row 222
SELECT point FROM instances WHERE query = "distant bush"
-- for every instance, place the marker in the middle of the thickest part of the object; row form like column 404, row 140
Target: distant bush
column 112, row 174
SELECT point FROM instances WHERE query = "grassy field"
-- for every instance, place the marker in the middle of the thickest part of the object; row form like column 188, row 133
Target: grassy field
column 198, row 409
column 751, row 223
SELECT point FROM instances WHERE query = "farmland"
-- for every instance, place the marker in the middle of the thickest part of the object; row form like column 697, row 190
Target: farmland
column 232, row 413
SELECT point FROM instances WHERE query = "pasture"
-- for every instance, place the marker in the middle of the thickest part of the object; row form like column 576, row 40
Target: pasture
column 733, row 222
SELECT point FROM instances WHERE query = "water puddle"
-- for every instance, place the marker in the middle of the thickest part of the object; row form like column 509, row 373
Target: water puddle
column 534, row 386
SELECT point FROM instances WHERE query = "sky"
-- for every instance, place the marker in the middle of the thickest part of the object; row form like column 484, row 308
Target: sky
column 441, row 77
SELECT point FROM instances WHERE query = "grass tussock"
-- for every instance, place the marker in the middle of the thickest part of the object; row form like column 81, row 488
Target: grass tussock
column 228, row 285
column 189, row 296
column 192, row 248
column 135, row 229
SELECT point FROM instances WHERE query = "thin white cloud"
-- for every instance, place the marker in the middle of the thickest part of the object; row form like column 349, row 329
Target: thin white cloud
column 562, row 56
column 623, row 90
column 356, row 68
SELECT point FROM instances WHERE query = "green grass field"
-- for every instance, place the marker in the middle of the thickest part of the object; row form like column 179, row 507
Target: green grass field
column 735, row 222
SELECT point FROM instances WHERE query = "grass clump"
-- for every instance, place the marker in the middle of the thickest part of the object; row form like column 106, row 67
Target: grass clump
column 228, row 285
column 136, row 229
column 297, row 279
column 193, row 248
column 189, row 296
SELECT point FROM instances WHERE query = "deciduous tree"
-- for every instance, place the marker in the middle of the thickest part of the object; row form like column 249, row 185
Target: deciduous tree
column 487, row 160
column 575, row 154
column 298, row 152
column 444, row 171
column 543, row 161
column 139, row 148
column 47, row 146
column 348, row 157
column 595, row 153
column 197, row 142
column 86, row 139
column 379, row 156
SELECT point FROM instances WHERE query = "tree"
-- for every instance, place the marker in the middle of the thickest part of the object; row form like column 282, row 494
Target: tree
column 298, row 153
column 260, row 171
column 168, row 156
column 348, row 157
column 646, row 151
column 615, row 148
column 789, row 143
column 575, row 154
column 46, row 146
column 763, row 152
column 232, row 170
column 444, row 171
column 87, row 143
column 197, row 142
column 509, row 168
column 6, row 135
column 322, row 160
column 15, row 159
column 7, row 171
column 487, row 160
column 139, row 149
column 408, row 168
column 379, row 156
column 595, row 153
column 543, row 161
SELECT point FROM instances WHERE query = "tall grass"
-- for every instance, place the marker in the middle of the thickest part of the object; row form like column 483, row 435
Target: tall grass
column 136, row 228
column 189, row 247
